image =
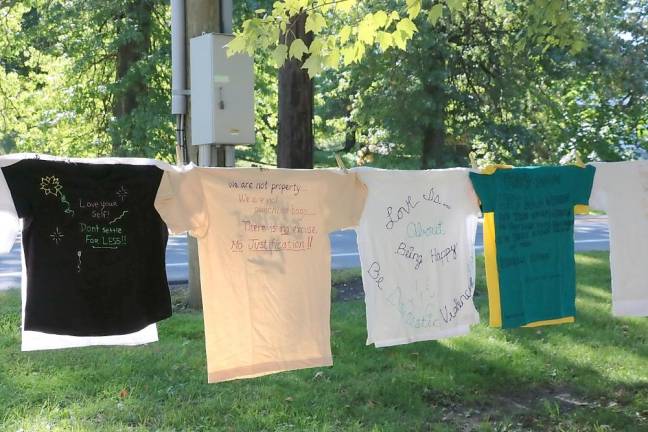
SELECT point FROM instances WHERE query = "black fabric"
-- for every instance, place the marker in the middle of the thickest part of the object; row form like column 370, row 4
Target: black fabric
column 94, row 246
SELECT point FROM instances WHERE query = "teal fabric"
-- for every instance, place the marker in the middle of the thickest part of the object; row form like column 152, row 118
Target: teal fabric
column 534, row 235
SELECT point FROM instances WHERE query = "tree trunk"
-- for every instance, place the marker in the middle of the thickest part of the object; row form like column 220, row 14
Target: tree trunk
column 434, row 133
column 295, row 135
column 350, row 139
column 434, row 150
column 131, row 82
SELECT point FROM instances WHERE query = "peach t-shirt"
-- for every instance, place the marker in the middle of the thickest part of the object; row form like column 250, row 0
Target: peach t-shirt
column 264, row 260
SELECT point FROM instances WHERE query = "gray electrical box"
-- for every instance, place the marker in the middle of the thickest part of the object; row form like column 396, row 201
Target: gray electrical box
column 222, row 93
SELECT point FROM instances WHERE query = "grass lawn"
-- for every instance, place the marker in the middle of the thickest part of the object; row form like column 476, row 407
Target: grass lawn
column 591, row 375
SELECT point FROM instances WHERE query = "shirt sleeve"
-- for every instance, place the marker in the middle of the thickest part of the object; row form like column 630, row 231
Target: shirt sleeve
column 600, row 187
column 345, row 200
column 484, row 188
column 472, row 201
column 9, row 221
column 582, row 184
column 181, row 204
column 20, row 185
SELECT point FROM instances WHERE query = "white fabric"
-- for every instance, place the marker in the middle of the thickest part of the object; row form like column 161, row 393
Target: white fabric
column 10, row 227
column 424, row 293
column 621, row 190
column 9, row 159
column 9, row 222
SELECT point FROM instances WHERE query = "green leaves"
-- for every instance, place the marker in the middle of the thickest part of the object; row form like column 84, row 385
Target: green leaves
column 280, row 54
column 345, row 34
column 456, row 5
column 332, row 60
column 293, row 7
column 385, row 40
column 315, row 23
column 413, row 8
column 407, row 27
column 345, row 5
column 367, row 29
column 577, row 46
column 435, row 13
column 313, row 65
column 297, row 49
column 237, row 45
column 381, row 19
column 363, row 27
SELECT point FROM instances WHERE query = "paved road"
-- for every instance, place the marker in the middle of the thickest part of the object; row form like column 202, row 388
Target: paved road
column 591, row 233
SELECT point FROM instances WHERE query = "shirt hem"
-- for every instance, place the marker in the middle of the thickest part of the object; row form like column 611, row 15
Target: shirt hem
column 28, row 347
column 631, row 308
column 105, row 332
column 36, row 341
column 557, row 321
column 453, row 332
column 531, row 323
column 262, row 369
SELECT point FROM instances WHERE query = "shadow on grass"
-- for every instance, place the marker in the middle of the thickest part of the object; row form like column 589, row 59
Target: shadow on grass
column 539, row 378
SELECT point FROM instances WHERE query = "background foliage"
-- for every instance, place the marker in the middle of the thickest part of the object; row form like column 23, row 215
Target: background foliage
column 59, row 84
column 515, row 81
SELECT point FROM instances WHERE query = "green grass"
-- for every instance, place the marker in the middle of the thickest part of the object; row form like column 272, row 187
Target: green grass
column 592, row 375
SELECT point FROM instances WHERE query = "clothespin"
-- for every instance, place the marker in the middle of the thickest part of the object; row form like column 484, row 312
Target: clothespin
column 473, row 160
column 574, row 157
column 340, row 162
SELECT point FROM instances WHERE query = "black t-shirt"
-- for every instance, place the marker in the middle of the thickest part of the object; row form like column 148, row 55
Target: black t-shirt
column 94, row 246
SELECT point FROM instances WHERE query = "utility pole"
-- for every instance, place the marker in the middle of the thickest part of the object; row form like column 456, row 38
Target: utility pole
column 203, row 16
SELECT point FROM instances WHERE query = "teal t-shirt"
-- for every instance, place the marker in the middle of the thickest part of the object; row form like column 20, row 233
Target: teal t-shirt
column 533, row 213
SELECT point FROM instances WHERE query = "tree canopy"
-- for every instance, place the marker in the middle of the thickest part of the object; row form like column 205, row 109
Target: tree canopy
column 343, row 31
column 398, row 83
column 69, row 84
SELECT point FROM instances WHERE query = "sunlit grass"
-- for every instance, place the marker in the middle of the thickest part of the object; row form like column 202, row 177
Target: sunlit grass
column 591, row 375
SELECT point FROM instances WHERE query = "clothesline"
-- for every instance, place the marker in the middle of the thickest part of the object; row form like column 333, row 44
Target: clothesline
column 95, row 231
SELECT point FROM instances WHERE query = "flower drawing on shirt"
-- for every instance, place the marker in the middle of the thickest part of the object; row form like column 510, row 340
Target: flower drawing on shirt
column 51, row 185
column 122, row 193
column 57, row 236
column 68, row 207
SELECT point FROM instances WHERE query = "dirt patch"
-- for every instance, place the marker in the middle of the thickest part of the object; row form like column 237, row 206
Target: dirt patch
column 349, row 290
column 179, row 297
column 523, row 411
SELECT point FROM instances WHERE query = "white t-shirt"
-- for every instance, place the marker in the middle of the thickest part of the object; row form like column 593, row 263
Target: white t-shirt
column 10, row 227
column 621, row 190
column 416, row 240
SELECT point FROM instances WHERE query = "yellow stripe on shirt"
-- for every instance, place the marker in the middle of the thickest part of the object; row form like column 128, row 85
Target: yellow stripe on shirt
column 565, row 320
column 492, row 275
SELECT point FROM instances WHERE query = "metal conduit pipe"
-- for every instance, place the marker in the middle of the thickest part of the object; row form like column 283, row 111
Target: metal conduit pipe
column 179, row 78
